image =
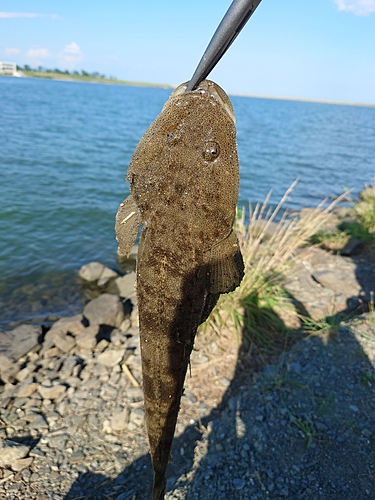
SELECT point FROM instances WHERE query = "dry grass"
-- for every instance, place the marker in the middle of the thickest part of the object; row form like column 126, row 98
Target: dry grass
column 269, row 258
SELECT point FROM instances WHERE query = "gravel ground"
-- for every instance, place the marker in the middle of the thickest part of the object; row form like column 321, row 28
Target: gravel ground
column 300, row 427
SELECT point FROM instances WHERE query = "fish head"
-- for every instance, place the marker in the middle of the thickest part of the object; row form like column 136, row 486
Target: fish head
column 187, row 159
column 208, row 89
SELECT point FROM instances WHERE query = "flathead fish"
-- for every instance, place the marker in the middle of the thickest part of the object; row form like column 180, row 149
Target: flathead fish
column 184, row 180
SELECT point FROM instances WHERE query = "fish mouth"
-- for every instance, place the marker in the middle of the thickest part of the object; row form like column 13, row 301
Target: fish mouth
column 214, row 90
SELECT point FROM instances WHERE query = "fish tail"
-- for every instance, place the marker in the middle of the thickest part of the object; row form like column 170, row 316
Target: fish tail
column 158, row 490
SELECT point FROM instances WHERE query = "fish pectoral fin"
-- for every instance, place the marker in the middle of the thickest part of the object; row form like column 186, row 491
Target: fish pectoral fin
column 128, row 220
column 226, row 266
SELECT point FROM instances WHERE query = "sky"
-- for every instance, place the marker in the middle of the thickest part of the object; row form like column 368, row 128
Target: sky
column 321, row 49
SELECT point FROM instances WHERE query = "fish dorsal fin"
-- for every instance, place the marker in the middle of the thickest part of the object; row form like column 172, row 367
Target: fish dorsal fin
column 226, row 268
column 128, row 220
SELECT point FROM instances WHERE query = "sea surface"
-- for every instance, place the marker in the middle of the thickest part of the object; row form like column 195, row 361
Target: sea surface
column 65, row 149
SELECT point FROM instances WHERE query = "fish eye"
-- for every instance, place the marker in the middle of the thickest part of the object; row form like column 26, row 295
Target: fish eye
column 211, row 151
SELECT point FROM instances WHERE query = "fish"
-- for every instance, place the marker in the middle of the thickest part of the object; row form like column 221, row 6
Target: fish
column 184, row 181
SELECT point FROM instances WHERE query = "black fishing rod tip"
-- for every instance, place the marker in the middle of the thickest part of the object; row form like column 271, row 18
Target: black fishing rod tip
column 232, row 23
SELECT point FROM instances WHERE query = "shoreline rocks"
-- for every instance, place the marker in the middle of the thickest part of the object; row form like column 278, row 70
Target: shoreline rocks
column 67, row 397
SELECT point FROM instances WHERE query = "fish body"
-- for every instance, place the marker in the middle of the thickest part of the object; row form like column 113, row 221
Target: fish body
column 184, row 180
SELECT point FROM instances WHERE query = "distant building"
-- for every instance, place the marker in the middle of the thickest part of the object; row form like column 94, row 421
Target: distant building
column 8, row 68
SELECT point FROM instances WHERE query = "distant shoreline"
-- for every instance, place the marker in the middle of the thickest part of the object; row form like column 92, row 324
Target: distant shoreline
column 87, row 79
column 111, row 81
column 304, row 99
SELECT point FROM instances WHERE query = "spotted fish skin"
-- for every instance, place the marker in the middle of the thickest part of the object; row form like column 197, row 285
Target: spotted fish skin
column 184, row 180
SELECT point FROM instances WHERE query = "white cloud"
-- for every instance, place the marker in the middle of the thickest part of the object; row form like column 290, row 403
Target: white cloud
column 12, row 51
column 357, row 7
column 72, row 49
column 38, row 53
column 71, row 54
column 17, row 15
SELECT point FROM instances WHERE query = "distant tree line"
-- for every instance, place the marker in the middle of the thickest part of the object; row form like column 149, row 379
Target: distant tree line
column 41, row 69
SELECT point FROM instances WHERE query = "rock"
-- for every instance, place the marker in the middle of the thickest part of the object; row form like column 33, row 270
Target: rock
column 49, row 342
column 25, row 372
column 91, row 272
column 125, row 285
column 238, row 483
column 87, row 338
column 10, row 451
column 5, row 362
column 91, row 383
column 106, row 309
column 134, row 394
column 99, row 370
column 118, row 337
column 58, row 441
column 137, row 416
column 111, row 357
column 95, row 271
column 64, row 342
column 21, row 463
column 351, row 248
column 336, row 279
column 53, row 392
column 102, row 346
column 106, row 276
column 107, row 429
column 27, row 390
column 76, row 457
column 37, row 422
column 73, row 381
column 71, row 324
column 108, row 393
column 68, row 365
column 50, row 352
column 224, row 382
column 20, row 341
column 119, row 421
column 8, row 370
column 125, row 325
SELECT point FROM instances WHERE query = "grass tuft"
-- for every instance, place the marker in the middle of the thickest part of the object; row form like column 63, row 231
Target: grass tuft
column 268, row 250
column 330, row 325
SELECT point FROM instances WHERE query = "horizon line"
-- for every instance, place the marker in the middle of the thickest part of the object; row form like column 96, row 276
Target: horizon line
column 304, row 99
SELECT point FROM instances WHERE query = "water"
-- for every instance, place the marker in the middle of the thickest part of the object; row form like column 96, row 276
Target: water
column 64, row 152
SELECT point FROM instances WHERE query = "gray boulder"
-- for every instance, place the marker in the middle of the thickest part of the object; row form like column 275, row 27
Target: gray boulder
column 106, row 309
column 124, row 285
column 96, row 272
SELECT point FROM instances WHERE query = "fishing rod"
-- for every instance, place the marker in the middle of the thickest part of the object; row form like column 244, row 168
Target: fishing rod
column 232, row 23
